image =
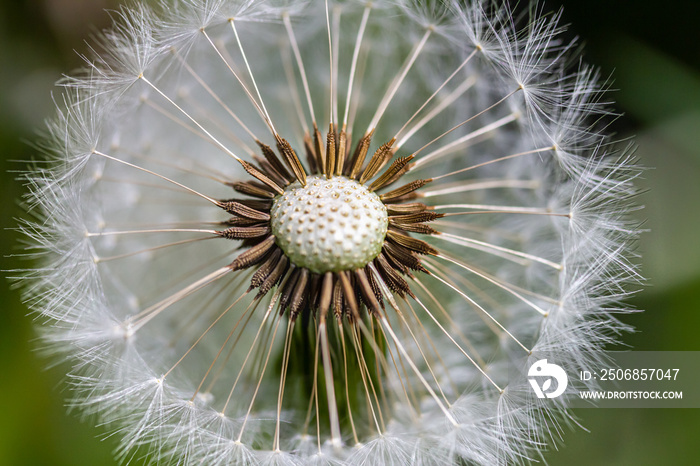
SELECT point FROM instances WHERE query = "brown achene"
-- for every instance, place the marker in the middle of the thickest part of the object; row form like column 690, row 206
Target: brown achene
column 347, row 292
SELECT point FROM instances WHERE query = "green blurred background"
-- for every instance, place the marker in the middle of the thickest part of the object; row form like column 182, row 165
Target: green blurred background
column 651, row 51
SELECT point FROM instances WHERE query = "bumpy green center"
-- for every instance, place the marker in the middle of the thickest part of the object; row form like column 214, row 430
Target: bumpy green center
column 329, row 224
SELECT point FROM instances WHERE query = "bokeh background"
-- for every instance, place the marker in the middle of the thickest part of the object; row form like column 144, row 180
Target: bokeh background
column 651, row 52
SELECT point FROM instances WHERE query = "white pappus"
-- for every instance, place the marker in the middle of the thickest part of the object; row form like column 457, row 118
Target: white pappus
column 329, row 232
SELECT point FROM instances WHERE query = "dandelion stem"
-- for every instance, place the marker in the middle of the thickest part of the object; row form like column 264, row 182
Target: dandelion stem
column 318, row 412
column 337, row 12
column 207, row 172
column 437, row 353
column 170, row 116
column 221, row 126
column 493, row 208
column 407, row 327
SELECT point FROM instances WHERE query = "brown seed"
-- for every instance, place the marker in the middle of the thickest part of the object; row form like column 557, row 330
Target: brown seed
column 299, row 296
column 263, row 205
column 241, row 210
column 338, row 300
column 272, row 158
column 252, row 188
column 367, row 292
column 275, row 276
column 245, row 232
column 414, row 244
column 270, row 171
column 288, row 289
column 414, row 227
column 358, row 157
column 326, row 292
column 310, row 153
column 392, row 278
column 291, row 158
column 341, row 152
column 349, row 294
column 253, row 255
column 403, row 257
column 390, row 173
column 398, row 194
column 265, row 269
column 401, row 209
column 254, row 172
column 379, row 159
column 330, row 151
column 418, row 217
column 319, row 149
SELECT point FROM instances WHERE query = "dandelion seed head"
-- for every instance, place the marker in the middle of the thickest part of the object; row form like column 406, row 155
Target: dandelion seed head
column 282, row 232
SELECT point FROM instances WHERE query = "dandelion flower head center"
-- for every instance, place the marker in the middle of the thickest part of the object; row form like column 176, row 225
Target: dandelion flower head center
column 330, row 224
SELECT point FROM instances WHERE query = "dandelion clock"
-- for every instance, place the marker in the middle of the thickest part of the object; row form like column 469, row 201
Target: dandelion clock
column 342, row 232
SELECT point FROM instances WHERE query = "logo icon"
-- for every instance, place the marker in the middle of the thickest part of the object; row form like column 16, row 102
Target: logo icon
column 540, row 370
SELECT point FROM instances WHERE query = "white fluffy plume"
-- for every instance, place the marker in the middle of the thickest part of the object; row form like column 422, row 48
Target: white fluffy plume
column 526, row 256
